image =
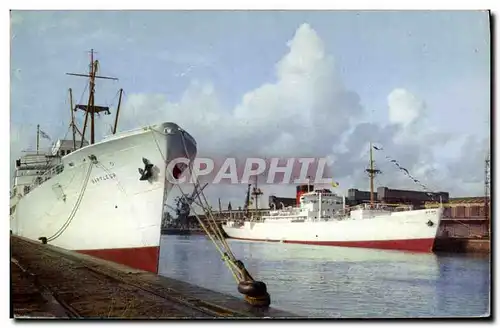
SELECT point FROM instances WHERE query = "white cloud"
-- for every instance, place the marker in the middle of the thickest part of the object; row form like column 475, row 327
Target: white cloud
column 404, row 107
column 307, row 111
column 302, row 113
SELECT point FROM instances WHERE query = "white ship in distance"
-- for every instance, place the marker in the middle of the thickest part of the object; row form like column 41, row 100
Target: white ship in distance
column 322, row 218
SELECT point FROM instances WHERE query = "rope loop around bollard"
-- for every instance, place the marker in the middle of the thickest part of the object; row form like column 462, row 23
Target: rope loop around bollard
column 255, row 293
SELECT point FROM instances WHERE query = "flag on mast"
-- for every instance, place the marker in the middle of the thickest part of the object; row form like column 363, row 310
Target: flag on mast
column 44, row 135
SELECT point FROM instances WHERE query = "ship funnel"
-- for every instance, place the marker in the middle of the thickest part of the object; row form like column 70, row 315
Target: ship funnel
column 302, row 189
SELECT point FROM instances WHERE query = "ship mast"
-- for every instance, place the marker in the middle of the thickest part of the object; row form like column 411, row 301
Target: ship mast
column 247, row 200
column 72, row 125
column 118, row 111
column 91, row 109
column 37, row 138
column 372, row 171
column 256, row 192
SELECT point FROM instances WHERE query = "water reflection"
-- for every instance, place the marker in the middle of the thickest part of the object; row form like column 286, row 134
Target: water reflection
column 463, row 280
column 320, row 281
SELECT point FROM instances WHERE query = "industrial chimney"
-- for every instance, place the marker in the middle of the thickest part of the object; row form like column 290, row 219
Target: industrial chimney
column 302, row 189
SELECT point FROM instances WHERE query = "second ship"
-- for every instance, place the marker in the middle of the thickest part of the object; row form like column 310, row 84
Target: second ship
column 323, row 219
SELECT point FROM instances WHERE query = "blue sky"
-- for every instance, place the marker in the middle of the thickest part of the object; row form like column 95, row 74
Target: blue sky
column 442, row 59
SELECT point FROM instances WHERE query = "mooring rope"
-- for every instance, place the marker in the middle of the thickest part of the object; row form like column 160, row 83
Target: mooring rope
column 212, row 231
column 255, row 291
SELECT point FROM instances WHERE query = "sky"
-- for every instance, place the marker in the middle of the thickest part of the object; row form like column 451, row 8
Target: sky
column 274, row 84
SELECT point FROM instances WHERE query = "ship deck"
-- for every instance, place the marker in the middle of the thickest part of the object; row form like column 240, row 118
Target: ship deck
column 50, row 282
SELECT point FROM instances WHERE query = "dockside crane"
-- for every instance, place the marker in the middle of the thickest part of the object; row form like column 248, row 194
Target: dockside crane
column 487, row 181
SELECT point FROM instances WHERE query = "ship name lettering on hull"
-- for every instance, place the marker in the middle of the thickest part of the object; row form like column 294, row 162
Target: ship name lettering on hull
column 103, row 177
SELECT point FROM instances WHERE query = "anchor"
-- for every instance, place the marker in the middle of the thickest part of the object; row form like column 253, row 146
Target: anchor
column 147, row 172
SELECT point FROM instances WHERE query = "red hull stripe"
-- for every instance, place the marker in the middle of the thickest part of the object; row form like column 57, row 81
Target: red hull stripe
column 142, row 258
column 413, row 245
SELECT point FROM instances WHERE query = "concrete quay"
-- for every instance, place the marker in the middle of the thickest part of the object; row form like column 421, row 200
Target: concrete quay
column 50, row 282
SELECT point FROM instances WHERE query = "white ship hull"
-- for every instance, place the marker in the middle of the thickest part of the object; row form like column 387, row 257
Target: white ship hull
column 102, row 208
column 408, row 230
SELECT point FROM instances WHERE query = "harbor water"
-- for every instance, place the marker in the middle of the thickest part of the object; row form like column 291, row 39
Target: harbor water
column 321, row 282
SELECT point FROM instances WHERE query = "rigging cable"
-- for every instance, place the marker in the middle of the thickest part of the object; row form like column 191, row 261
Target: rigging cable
column 405, row 171
column 59, row 232
column 48, row 175
column 255, row 291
